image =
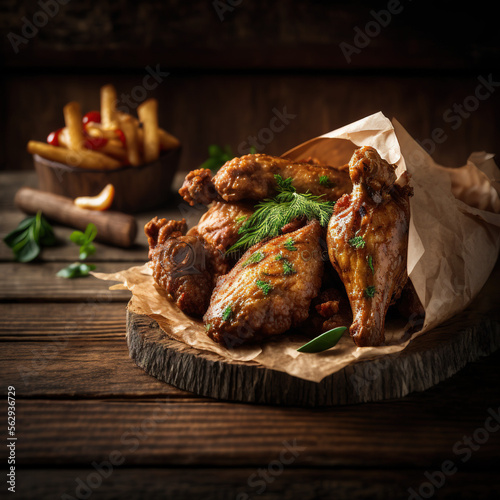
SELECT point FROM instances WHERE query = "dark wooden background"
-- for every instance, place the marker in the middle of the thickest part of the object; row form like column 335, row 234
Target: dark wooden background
column 226, row 76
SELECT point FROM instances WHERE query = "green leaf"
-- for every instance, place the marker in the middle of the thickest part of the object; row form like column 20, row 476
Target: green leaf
column 325, row 181
column 369, row 258
column 228, row 312
column 370, row 291
column 253, row 259
column 265, row 286
column 29, row 251
column 76, row 270
column 78, row 237
column 357, row 242
column 289, row 245
column 324, row 341
column 90, row 232
column 288, row 268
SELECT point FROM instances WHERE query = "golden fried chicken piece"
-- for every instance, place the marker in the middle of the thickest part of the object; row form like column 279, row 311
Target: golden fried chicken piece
column 251, row 177
column 220, row 224
column 368, row 240
column 269, row 290
column 198, row 187
column 185, row 266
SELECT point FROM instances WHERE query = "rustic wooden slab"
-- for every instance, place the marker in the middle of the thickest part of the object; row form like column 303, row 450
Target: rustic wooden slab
column 432, row 358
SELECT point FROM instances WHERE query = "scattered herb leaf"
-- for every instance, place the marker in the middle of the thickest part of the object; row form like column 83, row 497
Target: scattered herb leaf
column 228, row 312
column 370, row 263
column 76, row 270
column 325, row 181
column 324, row 341
column 288, row 268
column 279, row 256
column 217, row 156
column 253, row 259
column 208, row 326
column 265, row 286
column 370, row 291
column 357, row 242
column 31, row 234
column 289, row 245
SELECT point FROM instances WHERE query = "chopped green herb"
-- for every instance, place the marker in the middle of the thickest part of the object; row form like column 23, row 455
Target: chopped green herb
column 325, row 181
column 279, row 256
column 228, row 312
column 288, row 268
column 370, row 291
column 241, row 219
column 208, row 326
column 370, row 263
column 357, row 242
column 217, row 156
column 27, row 240
column 76, row 270
column 265, row 286
column 324, row 341
column 253, row 259
column 272, row 214
column 289, row 245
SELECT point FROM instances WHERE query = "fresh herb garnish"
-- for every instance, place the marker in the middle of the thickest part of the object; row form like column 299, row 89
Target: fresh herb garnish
column 265, row 286
column 208, row 326
column 288, row 268
column 253, row 259
column 289, row 245
column 217, row 156
column 84, row 239
column 370, row 291
column 29, row 237
column 325, row 181
column 76, row 270
column 272, row 214
column 324, row 341
column 357, row 242
column 279, row 256
column 370, row 263
column 228, row 312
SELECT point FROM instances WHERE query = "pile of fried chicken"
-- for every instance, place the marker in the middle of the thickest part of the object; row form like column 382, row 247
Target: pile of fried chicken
column 308, row 278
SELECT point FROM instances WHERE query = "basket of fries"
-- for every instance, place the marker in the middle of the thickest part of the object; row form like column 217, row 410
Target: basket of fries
column 105, row 147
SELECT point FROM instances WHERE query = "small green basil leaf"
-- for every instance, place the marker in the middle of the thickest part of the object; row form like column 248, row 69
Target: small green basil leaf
column 78, row 237
column 324, row 341
column 27, row 252
column 90, row 232
column 76, row 270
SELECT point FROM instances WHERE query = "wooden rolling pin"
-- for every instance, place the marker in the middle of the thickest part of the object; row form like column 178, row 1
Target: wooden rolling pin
column 115, row 228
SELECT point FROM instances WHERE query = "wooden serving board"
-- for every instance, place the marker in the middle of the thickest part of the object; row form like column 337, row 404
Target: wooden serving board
column 428, row 360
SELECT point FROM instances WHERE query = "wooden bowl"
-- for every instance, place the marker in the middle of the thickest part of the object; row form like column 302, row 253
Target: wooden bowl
column 136, row 188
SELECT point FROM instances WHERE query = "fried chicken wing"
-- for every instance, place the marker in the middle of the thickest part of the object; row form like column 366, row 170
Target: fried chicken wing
column 185, row 266
column 269, row 290
column 251, row 177
column 368, row 240
column 220, row 224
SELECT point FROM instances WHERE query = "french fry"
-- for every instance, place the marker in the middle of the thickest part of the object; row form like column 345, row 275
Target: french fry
column 108, row 107
column 73, row 120
column 129, row 129
column 95, row 130
column 148, row 115
column 115, row 151
column 83, row 158
column 168, row 141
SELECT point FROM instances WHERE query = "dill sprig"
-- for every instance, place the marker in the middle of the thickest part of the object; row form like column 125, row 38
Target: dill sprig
column 265, row 286
column 253, row 259
column 272, row 214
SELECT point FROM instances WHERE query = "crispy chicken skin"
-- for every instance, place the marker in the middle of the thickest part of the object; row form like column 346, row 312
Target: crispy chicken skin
column 198, row 187
column 220, row 224
column 184, row 266
column 251, row 177
column 269, row 290
column 367, row 242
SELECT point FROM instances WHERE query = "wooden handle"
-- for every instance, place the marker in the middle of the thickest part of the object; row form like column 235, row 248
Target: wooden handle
column 115, row 228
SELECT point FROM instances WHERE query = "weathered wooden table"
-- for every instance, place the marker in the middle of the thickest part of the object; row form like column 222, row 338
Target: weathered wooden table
column 91, row 424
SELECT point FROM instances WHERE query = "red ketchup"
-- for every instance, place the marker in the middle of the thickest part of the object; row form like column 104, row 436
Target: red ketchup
column 53, row 137
column 121, row 136
column 91, row 116
column 95, row 142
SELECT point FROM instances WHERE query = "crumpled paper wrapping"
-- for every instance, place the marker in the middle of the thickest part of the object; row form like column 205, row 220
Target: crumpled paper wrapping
column 454, row 239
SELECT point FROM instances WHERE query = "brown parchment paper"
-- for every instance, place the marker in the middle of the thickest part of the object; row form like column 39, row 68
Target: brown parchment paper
column 454, row 240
